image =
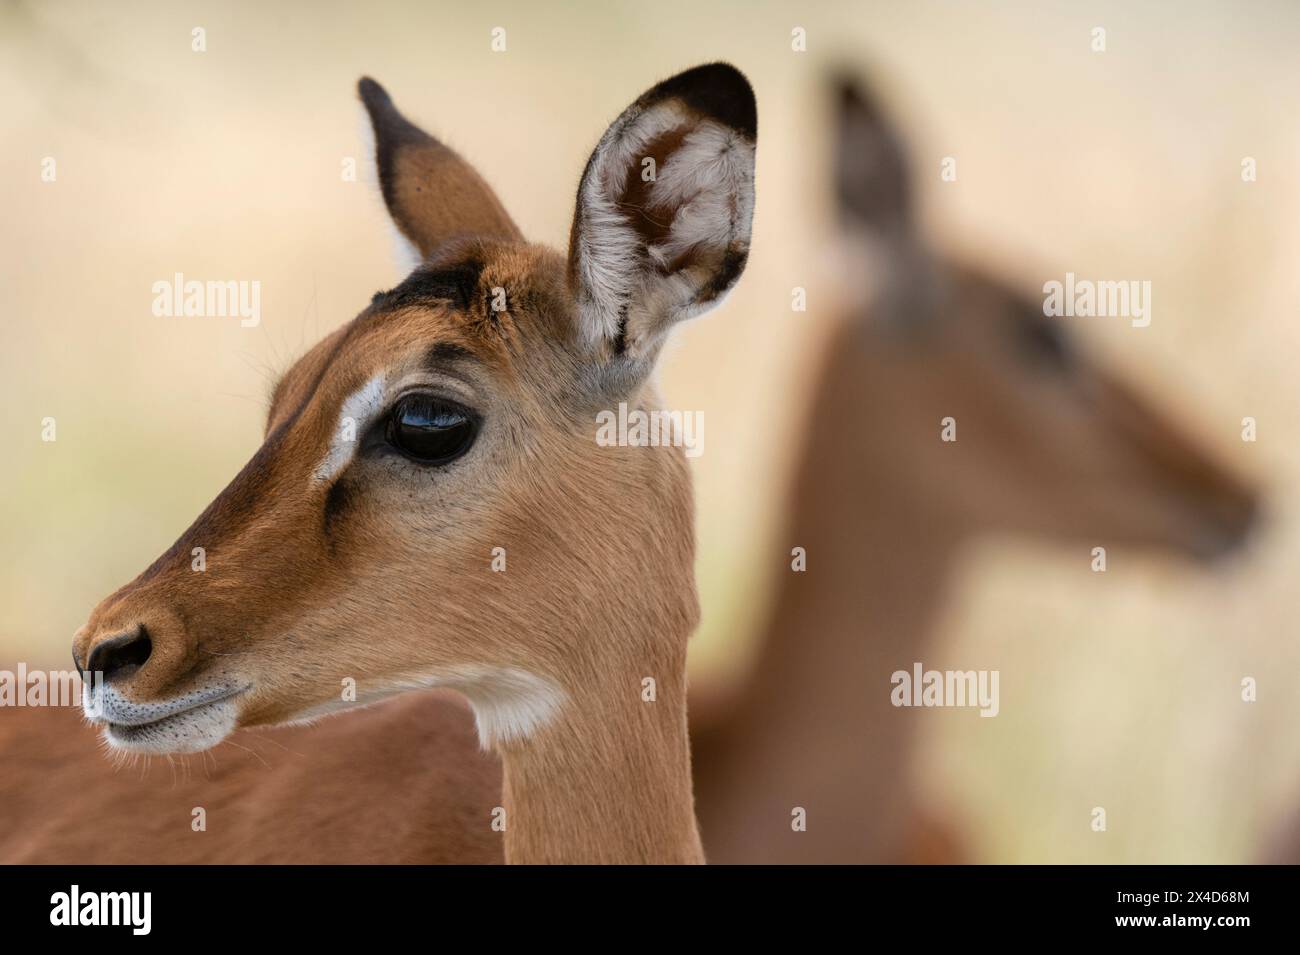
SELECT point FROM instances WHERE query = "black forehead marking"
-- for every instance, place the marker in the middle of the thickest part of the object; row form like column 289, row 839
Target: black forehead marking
column 456, row 283
column 455, row 278
column 445, row 353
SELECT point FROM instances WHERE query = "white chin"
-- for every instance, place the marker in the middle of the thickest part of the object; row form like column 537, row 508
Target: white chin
column 189, row 732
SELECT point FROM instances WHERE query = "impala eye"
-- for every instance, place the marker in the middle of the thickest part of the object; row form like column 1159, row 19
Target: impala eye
column 1046, row 341
column 431, row 430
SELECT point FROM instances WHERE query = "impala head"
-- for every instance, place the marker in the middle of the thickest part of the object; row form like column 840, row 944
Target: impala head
column 1048, row 441
column 429, row 505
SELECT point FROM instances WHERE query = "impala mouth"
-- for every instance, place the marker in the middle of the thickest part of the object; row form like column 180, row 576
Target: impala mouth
column 187, row 724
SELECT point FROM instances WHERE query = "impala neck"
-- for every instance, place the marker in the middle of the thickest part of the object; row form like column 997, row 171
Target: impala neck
column 814, row 726
column 840, row 629
column 607, row 781
column 880, row 554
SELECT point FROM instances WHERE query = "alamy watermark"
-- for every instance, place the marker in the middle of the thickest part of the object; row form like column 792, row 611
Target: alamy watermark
column 24, row 687
column 922, row 687
column 212, row 299
column 132, row 910
column 651, row 429
column 1088, row 299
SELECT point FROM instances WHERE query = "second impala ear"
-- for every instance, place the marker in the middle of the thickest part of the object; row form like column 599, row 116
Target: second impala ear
column 662, row 225
column 431, row 192
column 870, row 164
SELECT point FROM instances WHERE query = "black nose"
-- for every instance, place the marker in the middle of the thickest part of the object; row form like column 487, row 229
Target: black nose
column 121, row 655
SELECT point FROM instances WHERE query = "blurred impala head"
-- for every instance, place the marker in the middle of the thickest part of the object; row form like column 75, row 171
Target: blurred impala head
column 1048, row 440
column 428, row 506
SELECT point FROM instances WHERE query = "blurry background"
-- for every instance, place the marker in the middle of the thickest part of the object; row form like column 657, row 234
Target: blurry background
column 1119, row 690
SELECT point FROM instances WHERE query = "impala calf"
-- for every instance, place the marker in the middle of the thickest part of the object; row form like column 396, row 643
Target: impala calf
column 1053, row 446
column 435, row 427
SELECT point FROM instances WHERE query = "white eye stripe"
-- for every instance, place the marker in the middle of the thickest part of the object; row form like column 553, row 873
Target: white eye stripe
column 357, row 413
column 366, row 405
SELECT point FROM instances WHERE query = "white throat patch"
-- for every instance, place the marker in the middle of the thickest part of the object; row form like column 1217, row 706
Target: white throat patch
column 509, row 703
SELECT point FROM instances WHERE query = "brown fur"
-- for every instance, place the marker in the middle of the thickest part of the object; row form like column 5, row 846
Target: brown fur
column 300, row 794
column 382, row 574
column 431, row 191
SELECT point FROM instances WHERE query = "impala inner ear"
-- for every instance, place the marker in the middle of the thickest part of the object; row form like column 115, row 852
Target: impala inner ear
column 432, row 193
column 661, row 230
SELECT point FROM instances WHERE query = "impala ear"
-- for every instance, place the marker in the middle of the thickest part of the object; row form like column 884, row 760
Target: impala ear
column 870, row 164
column 431, row 192
column 662, row 225
column 890, row 275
